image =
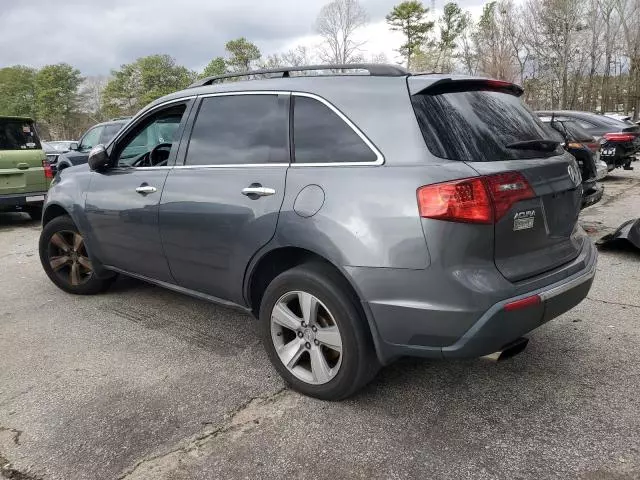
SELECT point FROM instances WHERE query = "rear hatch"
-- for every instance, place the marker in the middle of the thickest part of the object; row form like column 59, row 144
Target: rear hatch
column 533, row 185
column 21, row 157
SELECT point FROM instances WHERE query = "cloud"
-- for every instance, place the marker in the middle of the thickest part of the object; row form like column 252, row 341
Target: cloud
column 97, row 35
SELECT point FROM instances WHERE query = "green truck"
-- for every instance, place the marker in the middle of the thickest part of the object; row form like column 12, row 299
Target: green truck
column 25, row 174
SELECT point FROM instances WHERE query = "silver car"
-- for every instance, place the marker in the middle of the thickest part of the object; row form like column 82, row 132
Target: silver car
column 359, row 218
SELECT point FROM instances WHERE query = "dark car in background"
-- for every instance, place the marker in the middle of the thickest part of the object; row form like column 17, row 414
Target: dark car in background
column 78, row 153
column 54, row 149
column 619, row 141
column 586, row 150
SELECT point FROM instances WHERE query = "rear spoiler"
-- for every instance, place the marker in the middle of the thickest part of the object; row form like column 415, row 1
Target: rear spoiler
column 452, row 85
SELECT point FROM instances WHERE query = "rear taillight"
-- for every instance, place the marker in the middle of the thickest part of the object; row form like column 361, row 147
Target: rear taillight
column 459, row 201
column 506, row 189
column 619, row 137
column 474, row 200
column 48, row 173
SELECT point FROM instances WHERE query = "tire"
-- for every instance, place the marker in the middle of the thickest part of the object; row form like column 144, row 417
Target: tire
column 356, row 361
column 66, row 261
column 35, row 212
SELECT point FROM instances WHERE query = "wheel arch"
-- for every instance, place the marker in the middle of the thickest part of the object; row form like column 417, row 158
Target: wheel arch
column 277, row 260
column 52, row 211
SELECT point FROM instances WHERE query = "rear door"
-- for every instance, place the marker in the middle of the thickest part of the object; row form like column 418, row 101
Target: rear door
column 536, row 186
column 21, row 157
column 223, row 204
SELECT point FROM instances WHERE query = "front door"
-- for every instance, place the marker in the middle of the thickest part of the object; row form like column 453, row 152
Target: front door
column 122, row 202
column 222, row 205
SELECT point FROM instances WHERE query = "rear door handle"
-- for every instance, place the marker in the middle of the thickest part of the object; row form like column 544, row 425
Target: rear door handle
column 23, row 166
column 145, row 189
column 258, row 191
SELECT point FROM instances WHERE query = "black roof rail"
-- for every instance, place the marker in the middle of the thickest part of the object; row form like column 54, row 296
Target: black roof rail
column 374, row 69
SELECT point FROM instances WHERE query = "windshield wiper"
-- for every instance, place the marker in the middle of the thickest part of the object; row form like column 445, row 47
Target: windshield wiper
column 546, row 145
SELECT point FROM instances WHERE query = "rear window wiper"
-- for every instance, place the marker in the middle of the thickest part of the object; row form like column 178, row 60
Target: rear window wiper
column 546, row 145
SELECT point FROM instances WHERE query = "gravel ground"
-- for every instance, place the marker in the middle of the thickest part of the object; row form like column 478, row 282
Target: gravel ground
column 142, row 383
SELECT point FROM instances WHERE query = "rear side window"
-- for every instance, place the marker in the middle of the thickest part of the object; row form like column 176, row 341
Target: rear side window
column 240, row 129
column 18, row 135
column 476, row 126
column 321, row 136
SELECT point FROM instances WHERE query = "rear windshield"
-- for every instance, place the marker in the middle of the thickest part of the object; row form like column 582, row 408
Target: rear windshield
column 476, row 126
column 18, row 135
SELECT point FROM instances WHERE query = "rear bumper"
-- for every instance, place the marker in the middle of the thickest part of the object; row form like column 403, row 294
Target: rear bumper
column 437, row 329
column 497, row 327
column 17, row 201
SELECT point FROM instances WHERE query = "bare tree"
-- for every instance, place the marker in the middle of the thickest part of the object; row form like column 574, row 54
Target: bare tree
column 337, row 24
column 298, row 56
column 91, row 93
column 629, row 11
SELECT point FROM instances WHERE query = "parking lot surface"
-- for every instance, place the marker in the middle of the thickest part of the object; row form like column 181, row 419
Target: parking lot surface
column 143, row 383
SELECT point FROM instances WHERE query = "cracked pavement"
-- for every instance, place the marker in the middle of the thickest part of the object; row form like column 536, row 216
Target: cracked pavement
column 142, row 383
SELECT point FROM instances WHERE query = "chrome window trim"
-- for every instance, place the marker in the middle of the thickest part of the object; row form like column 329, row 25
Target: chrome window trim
column 233, row 165
column 245, row 92
column 379, row 157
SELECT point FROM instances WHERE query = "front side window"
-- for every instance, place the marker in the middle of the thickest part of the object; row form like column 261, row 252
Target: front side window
column 240, row 129
column 321, row 136
column 150, row 143
column 91, row 138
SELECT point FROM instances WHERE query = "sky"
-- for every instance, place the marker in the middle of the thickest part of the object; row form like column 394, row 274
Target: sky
column 97, row 36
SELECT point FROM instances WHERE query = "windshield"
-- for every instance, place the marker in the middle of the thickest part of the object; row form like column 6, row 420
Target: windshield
column 16, row 134
column 477, row 126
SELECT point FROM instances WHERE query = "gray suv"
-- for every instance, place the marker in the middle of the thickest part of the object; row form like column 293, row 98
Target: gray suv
column 359, row 217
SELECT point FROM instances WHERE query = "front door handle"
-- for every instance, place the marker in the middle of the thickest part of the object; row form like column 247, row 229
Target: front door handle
column 258, row 191
column 145, row 189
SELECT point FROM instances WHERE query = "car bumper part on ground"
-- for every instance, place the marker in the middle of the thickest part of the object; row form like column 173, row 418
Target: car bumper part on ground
column 410, row 328
column 17, row 201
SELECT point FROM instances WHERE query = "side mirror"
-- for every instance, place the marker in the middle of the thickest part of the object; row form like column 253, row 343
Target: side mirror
column 73, row 146
column 98, row 158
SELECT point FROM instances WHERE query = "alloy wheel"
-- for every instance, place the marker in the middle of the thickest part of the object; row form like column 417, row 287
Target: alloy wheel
column 68, row 257
column 306, row 337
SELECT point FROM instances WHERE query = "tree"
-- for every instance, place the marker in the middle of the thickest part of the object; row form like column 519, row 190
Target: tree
column 337, row 24
column 217, row 66
column 17, row 91
column 143, row 81
column 57, row 98
column 556, row 38
column 409, row 18
column 242, row 54
column 91, row 93
column 452, row 23
column 298, row 56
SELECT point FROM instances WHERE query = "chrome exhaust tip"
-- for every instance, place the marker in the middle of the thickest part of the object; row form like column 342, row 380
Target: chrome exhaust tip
column 510, row 350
